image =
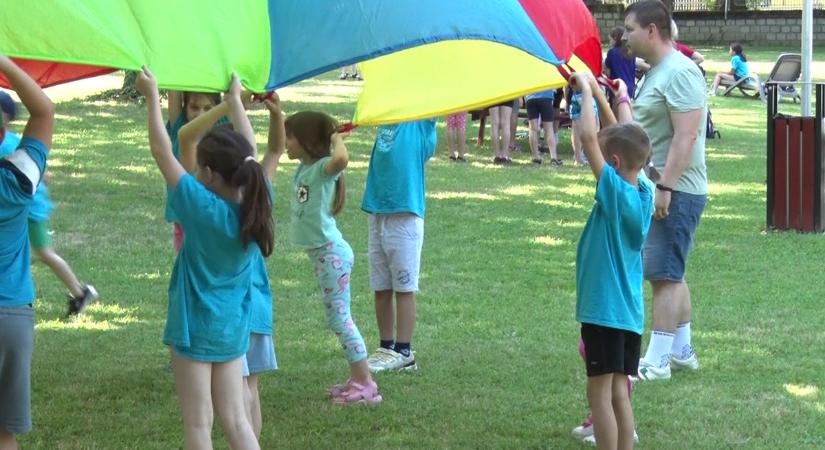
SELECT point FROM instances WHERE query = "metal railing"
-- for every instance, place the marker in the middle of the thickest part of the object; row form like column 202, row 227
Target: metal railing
column 721, row 5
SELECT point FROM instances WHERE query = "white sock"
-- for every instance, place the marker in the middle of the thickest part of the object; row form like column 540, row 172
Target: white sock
column 681, row 342
column 658, row 348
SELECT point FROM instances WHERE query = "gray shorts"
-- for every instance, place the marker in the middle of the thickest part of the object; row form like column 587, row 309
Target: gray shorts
column 261, row 355
column 670, row 241
column 394, row 247
column 16, row 345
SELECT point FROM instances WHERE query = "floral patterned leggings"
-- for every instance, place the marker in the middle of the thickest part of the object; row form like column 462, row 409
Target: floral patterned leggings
column 333, row 266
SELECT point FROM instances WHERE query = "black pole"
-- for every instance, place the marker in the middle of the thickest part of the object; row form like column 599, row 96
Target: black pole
column 772, row 106
column 820, row 110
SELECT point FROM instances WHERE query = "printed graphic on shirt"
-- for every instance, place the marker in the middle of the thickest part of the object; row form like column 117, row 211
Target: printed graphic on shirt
column 386, row 138
column 303, row 193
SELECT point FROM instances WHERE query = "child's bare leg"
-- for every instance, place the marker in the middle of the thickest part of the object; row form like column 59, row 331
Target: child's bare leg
column 253, row 403
column 495, row 126
column 61, row 269
column 228, row 397
column 506, row 113
column 533, row 126
column 360, row 372
column 7, row 440
column 193, row 384
column 625, row 425
column 550, row 139
column 600, row 397
column 451, row 132
column 461, row 138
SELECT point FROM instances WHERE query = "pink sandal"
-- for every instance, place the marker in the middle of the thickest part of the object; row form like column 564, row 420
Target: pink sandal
column 359, row 394
column 338, row 389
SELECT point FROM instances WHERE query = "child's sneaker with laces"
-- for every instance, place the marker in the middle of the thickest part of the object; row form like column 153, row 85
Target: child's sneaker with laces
column 650, row 372
column 78, row 304
column 691, row 362
column 384, row 360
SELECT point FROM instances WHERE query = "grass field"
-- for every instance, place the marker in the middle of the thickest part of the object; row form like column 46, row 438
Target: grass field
column 496, row 336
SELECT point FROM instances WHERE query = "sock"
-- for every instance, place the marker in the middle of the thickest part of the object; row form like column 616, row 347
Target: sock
column 389, row 345
column 403, row 348
column 658, row 348
column 681, row 342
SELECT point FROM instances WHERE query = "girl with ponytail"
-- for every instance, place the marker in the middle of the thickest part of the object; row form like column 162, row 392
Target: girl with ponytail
column 225, row 211
column 318, row 195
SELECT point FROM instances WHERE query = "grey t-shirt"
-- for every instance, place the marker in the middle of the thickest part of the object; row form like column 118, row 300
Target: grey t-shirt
column 674, row 85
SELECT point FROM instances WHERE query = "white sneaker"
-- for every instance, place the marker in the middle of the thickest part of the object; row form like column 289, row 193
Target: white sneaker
column 584, row 430
column 649, row 372
column 692, row 362
column 591, row 440
column 388, row 360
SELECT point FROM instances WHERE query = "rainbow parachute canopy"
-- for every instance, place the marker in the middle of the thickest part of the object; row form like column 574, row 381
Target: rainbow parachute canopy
column 423, row 58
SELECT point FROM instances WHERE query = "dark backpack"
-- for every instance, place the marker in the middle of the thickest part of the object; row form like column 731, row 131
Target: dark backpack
column 710, row 131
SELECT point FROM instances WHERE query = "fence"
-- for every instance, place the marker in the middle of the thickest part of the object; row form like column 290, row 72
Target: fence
column 736, row 5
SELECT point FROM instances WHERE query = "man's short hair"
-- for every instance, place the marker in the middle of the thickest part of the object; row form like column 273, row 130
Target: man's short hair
column 654, row 12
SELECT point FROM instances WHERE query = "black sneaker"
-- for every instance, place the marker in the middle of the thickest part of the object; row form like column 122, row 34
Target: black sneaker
column 556, row 162
column 78, row 304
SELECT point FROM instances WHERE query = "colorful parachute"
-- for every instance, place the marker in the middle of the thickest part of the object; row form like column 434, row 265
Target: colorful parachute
column 424, row 58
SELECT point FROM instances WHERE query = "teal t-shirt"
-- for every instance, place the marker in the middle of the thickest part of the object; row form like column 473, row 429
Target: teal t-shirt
column 172, row 129
column 16, row 286
column 609, row 256
column 313, row 191
column 675, row 85
column 210, row 288
column 739, row 66
column 41, row 207
column 396, row 174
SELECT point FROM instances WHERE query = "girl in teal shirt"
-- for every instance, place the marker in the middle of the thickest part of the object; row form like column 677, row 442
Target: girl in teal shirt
column 318, row 195
column 225, row 211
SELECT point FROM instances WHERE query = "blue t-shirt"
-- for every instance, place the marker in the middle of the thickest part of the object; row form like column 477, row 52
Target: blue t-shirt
column 395, row 178
column 313, row 191
column 739, row 66
column 549, row 94
column 16, row 286
column 210, row 288
column 609, row 256
column 623, row 68
column 41, row 207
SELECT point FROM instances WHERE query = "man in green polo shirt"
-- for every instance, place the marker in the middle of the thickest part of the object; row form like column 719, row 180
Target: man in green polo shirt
column 670, row 105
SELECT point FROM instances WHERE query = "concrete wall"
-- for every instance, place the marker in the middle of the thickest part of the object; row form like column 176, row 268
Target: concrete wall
column 772, row 28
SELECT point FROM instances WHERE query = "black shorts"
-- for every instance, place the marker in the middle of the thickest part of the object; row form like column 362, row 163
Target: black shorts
column 559, row 97
column 540, row 107
column 610, row 350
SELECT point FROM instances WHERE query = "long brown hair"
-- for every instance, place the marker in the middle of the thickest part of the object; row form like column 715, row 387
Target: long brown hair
column 228, row 153
column 313, row 130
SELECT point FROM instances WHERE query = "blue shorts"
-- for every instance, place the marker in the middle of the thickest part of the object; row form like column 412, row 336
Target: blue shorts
column 16, row 345
column 670, row 240
column 261, row 355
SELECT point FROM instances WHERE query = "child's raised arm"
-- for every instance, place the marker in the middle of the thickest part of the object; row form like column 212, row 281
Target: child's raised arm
column 276, row 140
column 237, row 100
column 623, row 108
column 159, row 141
column 587, row 123
column 191, row 133
column 175, row 100
column 41, row 109
column 340, row 158
column 605, row 112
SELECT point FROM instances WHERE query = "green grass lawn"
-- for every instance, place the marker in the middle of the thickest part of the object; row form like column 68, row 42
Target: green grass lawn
column 496, row 335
